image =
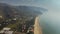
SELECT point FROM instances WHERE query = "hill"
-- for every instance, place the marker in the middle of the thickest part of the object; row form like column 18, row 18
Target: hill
column 9, row 13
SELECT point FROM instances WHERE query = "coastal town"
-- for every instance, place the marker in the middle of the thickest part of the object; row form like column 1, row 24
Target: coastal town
column 19, row 19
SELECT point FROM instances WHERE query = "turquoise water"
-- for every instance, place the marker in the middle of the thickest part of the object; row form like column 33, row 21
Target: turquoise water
column 50, row 23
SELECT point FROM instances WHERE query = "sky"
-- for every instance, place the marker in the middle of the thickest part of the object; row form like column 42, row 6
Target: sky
column 51, row 5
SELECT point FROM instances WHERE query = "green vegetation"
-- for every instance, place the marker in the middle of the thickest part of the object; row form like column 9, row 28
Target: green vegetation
column 12, row 26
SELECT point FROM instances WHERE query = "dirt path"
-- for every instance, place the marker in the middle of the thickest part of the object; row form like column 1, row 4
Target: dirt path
column 37, row 28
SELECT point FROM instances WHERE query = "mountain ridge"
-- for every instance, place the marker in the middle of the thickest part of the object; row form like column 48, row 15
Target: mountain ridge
column 21, row 10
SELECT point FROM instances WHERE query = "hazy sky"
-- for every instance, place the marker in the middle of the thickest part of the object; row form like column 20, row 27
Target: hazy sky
column 51, row 5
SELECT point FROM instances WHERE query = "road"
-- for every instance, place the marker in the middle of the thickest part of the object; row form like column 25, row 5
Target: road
column 37, row 28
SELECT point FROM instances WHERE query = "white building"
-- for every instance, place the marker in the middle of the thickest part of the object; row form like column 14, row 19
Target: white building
column 6, row 31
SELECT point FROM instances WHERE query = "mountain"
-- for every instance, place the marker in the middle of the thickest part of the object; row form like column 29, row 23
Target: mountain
column 30, row 10
column 7, row 11
column 23, row 14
